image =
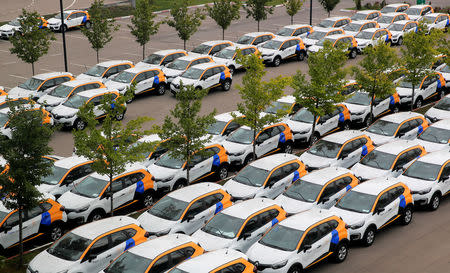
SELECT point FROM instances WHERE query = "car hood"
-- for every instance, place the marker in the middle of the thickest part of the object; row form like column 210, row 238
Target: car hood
column 62, row 110
column 396, row 33
column 44, row 262
column 293, row 206
column 405, row 91
column 153, row 223
column 366, row 172
column 83, row 76
column 267, row 51
column 239, row 190
column 362, row 41
column 355, row 108
column 315, row 161
column 233, row 147
column 160, row 172
column 349, row 217
column 314, row 48
column 18, row 92
column 46, row 188
column 172, row 72
column 383, row 25
column 7, row 27
column 210, row 242
column 297, row 126
column 353, row 33
column 432, row 146
column 309, row 42
column 71, row 200
column 110, row 84
column 267, row 255
column 379, row 139
column 415, row 184
column 437, row 114
column 52, row 21
column 185, row 81
column 50, row 100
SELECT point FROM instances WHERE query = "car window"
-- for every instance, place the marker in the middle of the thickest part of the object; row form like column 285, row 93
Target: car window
column 216, row 70
column 139, row 78
column 46, row 206
column 161, row 265
column 180, row 255
column 275, row 131
column 276, row 176
column 151, row 74
column 208, row 73
column 383, row 201
column 100, row 246
column 211, row 200
column 402, row 160
column 324, row 229
column 197, row 207
column 116, row 185
column 264, row 135
column 311, row 237
column 445, row 171
column 268, row 216
column 289, row 168
column 129, row 232
column 329, row 190
column 234, row 268
column 168, row 59
column 258, row 40
column 123, row 67
column 406, row 127
column 35, row 211
column 118, row 237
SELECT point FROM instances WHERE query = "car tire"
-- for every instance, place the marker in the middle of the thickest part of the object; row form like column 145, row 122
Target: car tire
column 131, row 97
column 148, row 199
column 288, row 148
column 64, row 28
column 226, row 85
column 341, row 252
column 161, row 89
column 295, row 269
column 400, row 41
column 55, row 232
column 79, row 125
column 232, row 69
column 120, row 116
column 441, row 93
column 88, row 24
column 418, row 103
column 248, row 160
column 395, row 108
column 346, row 126
column 222, row 172
column 353, row 54
column 406, row 216
column 276, row 61
column 301, row 56
column 315, row 138
column 96, row 215
column 369, row 236
column 178, row 185
column 435, row 201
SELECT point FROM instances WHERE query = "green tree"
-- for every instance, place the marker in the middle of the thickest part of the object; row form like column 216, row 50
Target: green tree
column 319, row 95
column 32, row 42
column 257, row 95
column 224, row 12
column 185, row 23
column 103, row 26
column 372, row 74
column 143, row 23
column 293, row 7
column 358, row 4
column 24, row 153
column 185, row 128
column 112, row 145
column 258, row 10
column 418, row 54
column 329, row 5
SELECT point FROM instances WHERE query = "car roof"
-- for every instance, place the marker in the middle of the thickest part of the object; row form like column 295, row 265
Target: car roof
column 285, row 38
column 94, row 229
column 372, row 30
column 295, row 26
column 337, row 36
column 418, row 6
column 402, row 22
column 435, row 14
column 45, row 76
column 396, row 5
column 368, row 11
column 343, row 136
column 138, row 69
column 439, row 157
column 322, row 176
column 189, row 193
column 113, row 62
column 391, row 14
column 94, row 92
column 375, row 186
column 71, row 161
column 211, row 260
column 152, row 248
column 255, row 34
column 396, row 147
column 215, row 42
column 399, row 117
column 246, row 208
column 73, row 10
column 303, row 220
column 287, row 99
column 444, row 124
column 204, row 66
column 227, row 116
column 76, row 82
column 168, row 51
column 336, row 18
column 326, row 29
column 272, row 161
column 150, row 138
column 362, row 22
column 193, row 56
column 128, row 168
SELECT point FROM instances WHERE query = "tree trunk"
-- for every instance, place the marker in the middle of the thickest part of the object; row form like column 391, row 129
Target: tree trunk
column 143, row 51
column 254, row 143
column 20, row 236
column 258, row 25
column 312, row 131
column 328, row 13
column 292, row 20
column 111, row 191
column 98, row 60
column 223, row 34
column 32, row 68
column 371, row 106
column 412, row 98
column 184, row 44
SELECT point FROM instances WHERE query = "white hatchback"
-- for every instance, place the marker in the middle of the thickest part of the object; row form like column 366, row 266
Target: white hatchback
column 39, row 85
column 282, row 48
column 436, row 137
column 105, row 70
column 439, row 111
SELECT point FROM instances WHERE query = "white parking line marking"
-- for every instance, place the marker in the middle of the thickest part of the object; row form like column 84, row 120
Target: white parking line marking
column 17, row 76
column 9, row 63
column 80, row 65
column 6, row 51
column 46, row 69
column 134, row 54
column 74, row 1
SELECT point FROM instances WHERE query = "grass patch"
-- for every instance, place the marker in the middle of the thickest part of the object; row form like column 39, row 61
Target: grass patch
column 10, row 266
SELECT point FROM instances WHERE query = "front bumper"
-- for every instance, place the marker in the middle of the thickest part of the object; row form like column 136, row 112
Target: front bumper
column 268, row 58
column 6, row 35
column 67, row 122
column 54, row 27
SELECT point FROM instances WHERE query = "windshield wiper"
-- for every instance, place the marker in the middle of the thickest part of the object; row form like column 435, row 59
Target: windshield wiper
column 208, row 229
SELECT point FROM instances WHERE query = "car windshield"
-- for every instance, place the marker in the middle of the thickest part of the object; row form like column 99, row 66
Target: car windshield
column 75, row 101
column 65, row 14
column 272, row 44
column 192, row 73
column 224, row 225
column 303, row 116
column 364, row 35
column 357, row 202
column 303, row 191
column 379, row 160
column 241, row 135
column 31, row 84
column 327, row 23
column 217, row 127
column 56, row 175
column 252, row 176
column 277, row 106
column 282, row 238
column 96, row 71
column 61, row 91
column 202, row 49
column 325, row 148
column 129, row 262
column 321, row 42
column 177, row 270
column 226, row 53
column 383, row 127
column 359, row 98
column 443, row 104
column 404, row 84
column 429, row 19
column 179, row 65
column 436, row 135
column 3, row 119
column 168, row 161
column 90, row 187
column 317, row 35
column 246, row 40
column 444, row 69
column 387, row 9
column 352, row 27
column 70, row 247
column 153, row 59
column 385, row 19
column 423, row 171
column 413, row 11
column 396, row 27
column 124, row 77
column 168, row 208
column 14, row 23
column 285, row 31
column 3, row 214
column 358, row 16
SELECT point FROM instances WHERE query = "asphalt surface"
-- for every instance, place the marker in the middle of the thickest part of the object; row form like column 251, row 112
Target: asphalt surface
column 423, row 246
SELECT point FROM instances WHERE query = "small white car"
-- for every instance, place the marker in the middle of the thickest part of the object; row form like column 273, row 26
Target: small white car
column 204, row 76
column 418, row 11
column 71, row 19
column 388, row 160
column 89, row 200
column 372, row 205
column 444, row 69
column 177, row 67
column 436, row 137
column 402, row 125
column 400, row 28
column 285, row 103
column 255, row 38
column 9, row 29
column 336, row 40
column 39, row 85
column 66, row 113
column 105, row 70
column 432, row 85
column 66, row 90
column 341, row 149
column 399, row 7
column 439, row 111
column 437, row 21
column 388, row 18
column 299, row 242
column 89, row 248
column 162, row 57
column 372, row 36
column 318, row 189
column 281, row 48
column 6, row 131
column 356, row 27
column 185, row 210
column 299, row 30
column 223, row 126
column 428, row 178
column 240, row 226
column 152, row 156
column 336, row 22
column 265, row 177
column 318, row 34
column 211, row 47
column 366, row 15
column 66, row 173
column 227, row 56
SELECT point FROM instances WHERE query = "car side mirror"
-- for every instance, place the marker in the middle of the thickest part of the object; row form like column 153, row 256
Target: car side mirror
column 306, row 247
column 245, row 235
column 400, row 134
column 108, row 194
column 325, row 199
column 379, row 210
column 444, row 177
column 343, row 155
column 270, row 184
column 91, row 257
column 188, row 218
column 6, row 228
column 258, row 141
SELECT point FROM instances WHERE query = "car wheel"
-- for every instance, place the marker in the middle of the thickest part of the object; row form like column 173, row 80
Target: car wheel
column 441, row 93
column 369, row 236
column 353, row 54
column 435, row 201
column 288, row 148
column 341, row 253
column 56, row 232
column 222, row 172
column 130, row 96
column 148, row 199
column 161, row 89
column 400, row 41
column 226, row 85
column 95, row 216
column 346, row 126
column 232, row 69
column 248, row 159
column 396, row 109
column 64, row 28
column 315, row 138
column 295, row 269
column 88, row 24
column 301, row 56
column 419, row 103
column 178, row 185
column 277, row 61
column 407, row 216
column 120, row 116
column 79, row 125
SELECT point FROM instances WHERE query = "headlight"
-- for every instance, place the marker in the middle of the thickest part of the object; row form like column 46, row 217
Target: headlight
column 268, row 54
column 167, row 179
column 355, row 226
column 425, row 191
column 238, row 153
column 303, row 132
column 85, row 208
column 163, row 232
column 279, row 265
column 358, row 113
column 120, row 88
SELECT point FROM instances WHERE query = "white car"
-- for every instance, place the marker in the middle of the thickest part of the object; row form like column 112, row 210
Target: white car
column 89, row 200
column 156, row 152
column 6, row 131
column 223, row 126
column 177, row 67
column 336, row 22
column 299, row 30
column 436, row 137
column 66, row 173
column 371, row 37
column 301, row 241
column 418, row 11
column 211, row 47
column 388, row 18
column 227, row 56
column 255, row 38
column 265, row 177
column 162, row 57
column 318, row 189
column 341, row 149
column 39, row 85
column 318, row 34
column 240, row 226
column 66, row 90
column 400, row 28
column 366, row 15
column 430, row 86
column 398, row 7
column 9, row 29
column 428, row 178
column 356, row 27
column 439, row 111
column 402, row 125
column 437, row 21
column 281, row 48
column 285, row 103
column 336, row 40
column 185, row 210
column 444, row 69
column 71, row 19
column 66, row 114
column 372, row 205
column 388, row 160
column 89, row 248
column 157, row 255
column 204, row 76
column 105, row 70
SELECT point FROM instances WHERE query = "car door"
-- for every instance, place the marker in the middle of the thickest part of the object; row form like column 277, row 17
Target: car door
column 285, row 49
column 98, row 256
column 255, row 229
column 380, row 105
column 162, row 264
column 314, row 245
column 264, row 142
column 141, row 82
column 124, row 190
column 276, row 183
column 196, row 216
column 329, row 122
column 217, row 75
column 120, row 241
column 258, row 40
column 207, row 80
column 350, row 153
column 274, row 138
column 111, row 71
column 96, row 101
column 444, row 179
column 74, row 19
column 386, row 208
column 406, row 130
column 201, row 164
